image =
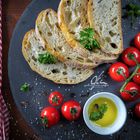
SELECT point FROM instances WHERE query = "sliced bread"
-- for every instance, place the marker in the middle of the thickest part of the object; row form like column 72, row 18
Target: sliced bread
column 51, row 36
column 58, row 72
column 73, row 18
column 105, row 17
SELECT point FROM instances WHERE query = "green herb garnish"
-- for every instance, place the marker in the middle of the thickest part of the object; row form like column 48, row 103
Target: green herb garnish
column 87, row 39
column 132, row 11
column 47, row 58
column 24, row 87
column 98, row 113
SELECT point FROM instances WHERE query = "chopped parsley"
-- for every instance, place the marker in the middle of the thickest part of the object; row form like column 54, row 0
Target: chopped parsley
column 87, row 39
column 46, row 58
column 98, row 113
column 25, row 87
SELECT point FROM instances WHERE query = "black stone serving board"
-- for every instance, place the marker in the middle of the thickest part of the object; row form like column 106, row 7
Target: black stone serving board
column 31, row 103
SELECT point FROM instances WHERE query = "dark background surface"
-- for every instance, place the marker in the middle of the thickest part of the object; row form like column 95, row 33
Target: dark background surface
column 12, row 10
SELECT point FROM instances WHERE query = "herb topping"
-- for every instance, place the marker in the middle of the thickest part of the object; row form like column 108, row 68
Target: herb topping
column 46, row 58
column 98, row 113
column 87, row 39
column 25, row 87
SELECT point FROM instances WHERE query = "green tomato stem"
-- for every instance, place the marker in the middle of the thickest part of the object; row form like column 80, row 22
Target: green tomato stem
column 131, row 76
column 120, row 72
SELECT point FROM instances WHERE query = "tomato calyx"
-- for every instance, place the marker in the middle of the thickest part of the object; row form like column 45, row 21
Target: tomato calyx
column 55, row 99
column 132, row 57
column 121, row 72
column 133, row 92
column 73, row 111
column 45, row 121
column 118, row 72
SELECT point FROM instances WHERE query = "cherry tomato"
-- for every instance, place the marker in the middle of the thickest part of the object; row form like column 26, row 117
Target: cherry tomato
column 55, row 98
column 119, row 71
column 71, row 110
column 129, row 55
column 50, row 116
column 131, row 92
column 137, row 40
column 137, row 110
column 136, row 77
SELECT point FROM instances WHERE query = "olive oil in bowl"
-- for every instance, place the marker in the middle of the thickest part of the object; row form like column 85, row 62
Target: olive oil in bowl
column 102, row 112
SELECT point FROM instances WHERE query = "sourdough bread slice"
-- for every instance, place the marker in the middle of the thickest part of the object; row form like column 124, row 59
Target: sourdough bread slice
column 73, row 18
column 105, row 17
column 58, row 72
column 50, row 34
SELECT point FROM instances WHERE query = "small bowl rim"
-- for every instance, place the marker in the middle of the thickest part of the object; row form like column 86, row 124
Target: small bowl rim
column 104, row 94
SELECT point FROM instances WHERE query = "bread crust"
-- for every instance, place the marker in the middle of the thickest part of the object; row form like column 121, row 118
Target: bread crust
column 92, row 24
column 63, row 25
column 26, row 45
column 98, row 58
column 59, row 54
column 45, row 43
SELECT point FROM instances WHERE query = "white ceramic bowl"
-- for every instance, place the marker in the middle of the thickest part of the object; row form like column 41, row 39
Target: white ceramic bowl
column 119, row 122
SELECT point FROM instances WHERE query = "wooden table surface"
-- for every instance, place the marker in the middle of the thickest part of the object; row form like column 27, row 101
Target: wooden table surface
column 12, row 10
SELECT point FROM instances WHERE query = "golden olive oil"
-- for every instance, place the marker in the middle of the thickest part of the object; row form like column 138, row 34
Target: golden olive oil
column 109, row 116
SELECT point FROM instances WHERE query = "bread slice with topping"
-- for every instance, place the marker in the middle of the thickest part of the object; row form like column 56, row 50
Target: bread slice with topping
column 51, row 36
column 105, row 17
column 58, row 72
column 72, row 19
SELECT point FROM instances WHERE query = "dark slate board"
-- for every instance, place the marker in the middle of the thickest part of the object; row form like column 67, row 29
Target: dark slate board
column 36, row 99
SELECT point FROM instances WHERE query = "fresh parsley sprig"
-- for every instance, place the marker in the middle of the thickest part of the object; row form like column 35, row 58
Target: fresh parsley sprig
column 98, row 113
column 25, row 87
column 46, row 58
column 87, row 39
column 132, row 11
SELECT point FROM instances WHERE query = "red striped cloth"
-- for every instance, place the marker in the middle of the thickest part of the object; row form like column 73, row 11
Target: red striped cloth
column 4, row 114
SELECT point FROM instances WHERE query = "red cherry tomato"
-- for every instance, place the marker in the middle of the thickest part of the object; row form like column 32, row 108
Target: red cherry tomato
column 119, row 71
column 136, row 77
column 137, row 40
column 71, row 110
column 55, row 98
column 129, row 54
column 137, row 110
column 131, row 92
column 50, row 116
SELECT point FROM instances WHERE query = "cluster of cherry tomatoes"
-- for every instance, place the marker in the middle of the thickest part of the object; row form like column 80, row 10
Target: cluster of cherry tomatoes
column 119, row 71
column 50, row 116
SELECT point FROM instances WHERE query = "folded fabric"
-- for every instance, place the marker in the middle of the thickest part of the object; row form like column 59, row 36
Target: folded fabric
column 4, row 114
